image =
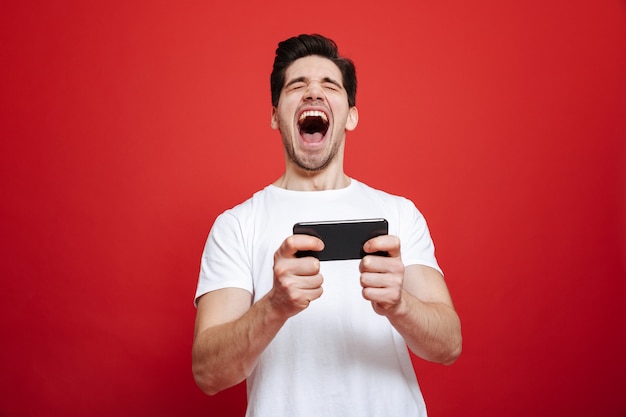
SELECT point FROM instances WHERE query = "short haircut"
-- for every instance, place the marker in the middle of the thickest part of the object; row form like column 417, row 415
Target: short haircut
column 301, row 46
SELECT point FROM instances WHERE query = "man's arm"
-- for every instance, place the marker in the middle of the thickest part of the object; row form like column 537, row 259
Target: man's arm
column 426, row 317
column 415, row 299
column 230, row 333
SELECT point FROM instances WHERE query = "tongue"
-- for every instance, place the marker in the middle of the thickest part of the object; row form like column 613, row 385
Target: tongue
column 312, row 137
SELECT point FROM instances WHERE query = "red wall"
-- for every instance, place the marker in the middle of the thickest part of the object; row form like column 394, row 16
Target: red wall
column 126, row 127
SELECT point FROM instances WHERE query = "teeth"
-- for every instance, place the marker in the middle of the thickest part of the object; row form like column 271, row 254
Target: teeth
column 313, row 113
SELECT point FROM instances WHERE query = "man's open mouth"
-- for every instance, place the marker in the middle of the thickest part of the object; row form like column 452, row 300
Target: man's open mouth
column 313, row 125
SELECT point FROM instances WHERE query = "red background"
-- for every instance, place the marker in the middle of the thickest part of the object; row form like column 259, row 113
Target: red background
column 127, row 127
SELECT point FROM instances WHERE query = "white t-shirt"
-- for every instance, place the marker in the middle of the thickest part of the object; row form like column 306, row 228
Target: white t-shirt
column 337, row 357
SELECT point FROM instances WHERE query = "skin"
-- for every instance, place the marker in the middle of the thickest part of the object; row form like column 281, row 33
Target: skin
column 313, row 83
column 231, row 332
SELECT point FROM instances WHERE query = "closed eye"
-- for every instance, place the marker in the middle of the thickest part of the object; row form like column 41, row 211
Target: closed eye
column 295, row 86
column 300, row 82
column 331, row 84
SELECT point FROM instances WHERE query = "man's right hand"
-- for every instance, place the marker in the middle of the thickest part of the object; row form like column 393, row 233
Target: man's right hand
column 297, row 281
column 231, row 333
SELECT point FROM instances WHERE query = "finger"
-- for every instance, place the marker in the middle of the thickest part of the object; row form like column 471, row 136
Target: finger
column 309, row 282
column 385, row 243
column 292, row 300
column 296, row 267
column 305, row 298
column 294, row 243
column 378, row 280
column 381, row 264
column 384, row 296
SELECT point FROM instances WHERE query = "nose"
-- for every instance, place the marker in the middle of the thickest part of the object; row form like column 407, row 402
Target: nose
column 314, row 92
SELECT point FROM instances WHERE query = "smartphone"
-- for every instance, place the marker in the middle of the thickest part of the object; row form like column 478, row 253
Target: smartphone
column 342, row 239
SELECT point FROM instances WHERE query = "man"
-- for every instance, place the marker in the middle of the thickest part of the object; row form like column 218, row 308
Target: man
column 319, row 338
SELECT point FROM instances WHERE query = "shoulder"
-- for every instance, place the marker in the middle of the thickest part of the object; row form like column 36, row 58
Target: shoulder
column 248, row 206
column 388, row 199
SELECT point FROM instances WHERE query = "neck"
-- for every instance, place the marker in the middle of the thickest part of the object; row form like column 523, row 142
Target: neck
column 313, row 181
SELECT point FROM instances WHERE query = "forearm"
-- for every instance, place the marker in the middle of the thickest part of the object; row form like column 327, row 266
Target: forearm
column 225, row 354
column 432, row 330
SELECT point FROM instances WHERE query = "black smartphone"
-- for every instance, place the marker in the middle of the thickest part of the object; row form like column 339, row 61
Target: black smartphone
column 342, row 239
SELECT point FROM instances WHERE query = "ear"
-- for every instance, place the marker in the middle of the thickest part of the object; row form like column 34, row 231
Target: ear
column 353, row 118
column 274, row 121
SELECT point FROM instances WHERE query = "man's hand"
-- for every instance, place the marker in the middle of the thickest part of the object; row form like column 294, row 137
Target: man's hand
column 382, row 278
column 297, row 281
column 415, row 299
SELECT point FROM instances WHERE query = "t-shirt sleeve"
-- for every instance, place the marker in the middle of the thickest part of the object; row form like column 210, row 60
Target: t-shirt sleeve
column 416, row 243
column 225, row 262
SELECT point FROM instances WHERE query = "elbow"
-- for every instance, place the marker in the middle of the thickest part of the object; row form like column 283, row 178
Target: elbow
column 206, row 389
column 212, row 383
column 204, row 381
column 443, row 354
column 453, row 354
column 456, row 347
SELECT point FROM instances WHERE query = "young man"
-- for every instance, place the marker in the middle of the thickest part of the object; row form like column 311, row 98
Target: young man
column 319, row 338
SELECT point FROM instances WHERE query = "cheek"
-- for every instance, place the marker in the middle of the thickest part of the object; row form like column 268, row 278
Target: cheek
column 285, row 112
column 283, row 125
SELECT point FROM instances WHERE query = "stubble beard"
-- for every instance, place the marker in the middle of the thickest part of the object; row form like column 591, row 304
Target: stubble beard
column 313, row 163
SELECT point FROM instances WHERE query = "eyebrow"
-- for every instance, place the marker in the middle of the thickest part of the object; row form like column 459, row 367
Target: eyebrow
column 304, row 79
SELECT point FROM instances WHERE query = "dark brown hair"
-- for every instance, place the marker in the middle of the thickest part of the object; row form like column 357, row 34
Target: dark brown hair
column 301, row 46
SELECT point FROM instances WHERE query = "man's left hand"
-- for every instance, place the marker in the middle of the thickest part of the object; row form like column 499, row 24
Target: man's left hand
column 382, row 277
